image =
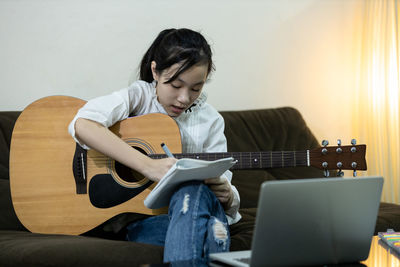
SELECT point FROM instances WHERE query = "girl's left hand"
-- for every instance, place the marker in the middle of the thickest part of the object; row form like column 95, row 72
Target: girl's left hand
column 222, row 190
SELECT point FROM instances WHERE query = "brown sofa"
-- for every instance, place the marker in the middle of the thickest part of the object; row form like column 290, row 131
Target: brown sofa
column 253, row 130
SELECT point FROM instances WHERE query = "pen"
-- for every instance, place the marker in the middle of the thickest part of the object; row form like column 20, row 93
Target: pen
column 166, row 150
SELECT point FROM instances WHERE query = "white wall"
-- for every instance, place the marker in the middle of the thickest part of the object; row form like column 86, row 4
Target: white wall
column 268, row 53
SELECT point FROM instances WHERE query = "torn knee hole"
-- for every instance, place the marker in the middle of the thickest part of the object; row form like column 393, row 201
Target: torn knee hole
column 220, row 231
column 185, row 204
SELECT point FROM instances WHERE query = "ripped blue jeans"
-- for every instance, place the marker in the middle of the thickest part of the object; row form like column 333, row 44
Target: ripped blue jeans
column 195, row 226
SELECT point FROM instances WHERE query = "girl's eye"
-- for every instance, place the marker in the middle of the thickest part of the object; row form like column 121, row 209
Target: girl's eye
column 195, row 90
column 175, row 86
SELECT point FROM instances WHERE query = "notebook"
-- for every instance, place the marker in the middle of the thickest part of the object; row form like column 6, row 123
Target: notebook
column 310, row 222
column 185, row 170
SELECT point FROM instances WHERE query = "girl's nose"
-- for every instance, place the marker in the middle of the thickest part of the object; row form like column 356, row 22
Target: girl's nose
column 184, row 96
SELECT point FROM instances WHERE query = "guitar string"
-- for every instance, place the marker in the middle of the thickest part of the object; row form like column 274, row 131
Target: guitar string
column 247, row 158
column 244, row 158
column 226, row 155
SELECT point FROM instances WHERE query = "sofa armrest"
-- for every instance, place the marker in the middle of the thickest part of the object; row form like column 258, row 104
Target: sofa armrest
column 7, row 122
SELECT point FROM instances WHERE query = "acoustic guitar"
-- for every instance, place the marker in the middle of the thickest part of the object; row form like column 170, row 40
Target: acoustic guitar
column 58, row 187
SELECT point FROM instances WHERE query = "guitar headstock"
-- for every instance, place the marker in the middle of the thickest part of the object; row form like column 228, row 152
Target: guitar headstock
column 351, row 157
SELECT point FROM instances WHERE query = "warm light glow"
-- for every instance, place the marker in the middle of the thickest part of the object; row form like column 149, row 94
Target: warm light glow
column 381, row 256
column 377, row 108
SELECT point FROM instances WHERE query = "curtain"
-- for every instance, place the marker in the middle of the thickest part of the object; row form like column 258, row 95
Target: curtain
column 377, row 93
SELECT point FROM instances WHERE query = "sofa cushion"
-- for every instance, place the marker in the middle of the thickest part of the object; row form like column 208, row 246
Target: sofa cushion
column 278, row 129
column 267, row 129
column 388, row 217
column 28, row 249
column 242, row 231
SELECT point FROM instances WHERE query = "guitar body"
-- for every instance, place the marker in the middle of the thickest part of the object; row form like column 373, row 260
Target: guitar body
column 43, row 186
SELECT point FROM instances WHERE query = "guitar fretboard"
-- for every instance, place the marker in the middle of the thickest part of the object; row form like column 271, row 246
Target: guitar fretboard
column 252, row 160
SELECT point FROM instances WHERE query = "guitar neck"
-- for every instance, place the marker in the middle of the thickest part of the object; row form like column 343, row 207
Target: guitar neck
column 252, row 160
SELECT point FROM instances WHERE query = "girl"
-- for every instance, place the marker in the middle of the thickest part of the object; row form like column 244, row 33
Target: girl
column 172, row 74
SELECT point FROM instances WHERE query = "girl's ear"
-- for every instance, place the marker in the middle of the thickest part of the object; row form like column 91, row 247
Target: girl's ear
column 154, row 71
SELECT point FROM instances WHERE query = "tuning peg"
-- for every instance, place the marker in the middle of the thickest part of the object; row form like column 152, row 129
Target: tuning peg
column 339, row 149
column 325, row 143
column 353, row 142
column 354, row 166
column 340, row 172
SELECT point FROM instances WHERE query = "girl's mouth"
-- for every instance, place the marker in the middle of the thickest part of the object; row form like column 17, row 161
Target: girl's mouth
column 177, row 110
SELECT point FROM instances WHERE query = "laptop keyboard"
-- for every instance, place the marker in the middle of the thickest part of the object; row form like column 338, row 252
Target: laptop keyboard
column 244, row 260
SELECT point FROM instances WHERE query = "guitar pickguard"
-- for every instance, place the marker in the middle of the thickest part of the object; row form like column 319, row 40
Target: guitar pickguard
column 121, row 184
column 105, row 192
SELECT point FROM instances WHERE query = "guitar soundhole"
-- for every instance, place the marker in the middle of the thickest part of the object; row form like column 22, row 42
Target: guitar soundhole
column 128, row 174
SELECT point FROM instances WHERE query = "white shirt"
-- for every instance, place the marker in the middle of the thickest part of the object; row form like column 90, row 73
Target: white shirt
column 201, row 126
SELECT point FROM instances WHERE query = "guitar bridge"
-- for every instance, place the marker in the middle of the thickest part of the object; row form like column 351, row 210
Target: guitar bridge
column 79, row 169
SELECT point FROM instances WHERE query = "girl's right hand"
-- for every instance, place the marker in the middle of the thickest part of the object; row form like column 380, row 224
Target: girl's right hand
column 157, row 168
column 106, row 142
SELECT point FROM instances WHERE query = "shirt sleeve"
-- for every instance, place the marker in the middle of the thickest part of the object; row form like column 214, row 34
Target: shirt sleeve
column 216, row 142
column 105, row 110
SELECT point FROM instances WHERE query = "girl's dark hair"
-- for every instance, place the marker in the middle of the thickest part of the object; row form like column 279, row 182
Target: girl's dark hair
column 174, row 46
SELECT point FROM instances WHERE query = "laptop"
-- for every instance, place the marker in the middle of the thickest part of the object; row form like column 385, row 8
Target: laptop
column 311, row 222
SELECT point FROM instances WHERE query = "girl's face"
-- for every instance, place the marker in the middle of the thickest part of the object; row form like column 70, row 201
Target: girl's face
column 179, row 95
